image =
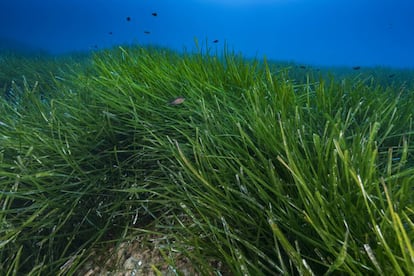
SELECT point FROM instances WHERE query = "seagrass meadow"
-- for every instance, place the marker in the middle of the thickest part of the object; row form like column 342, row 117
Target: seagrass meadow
column 260, row 168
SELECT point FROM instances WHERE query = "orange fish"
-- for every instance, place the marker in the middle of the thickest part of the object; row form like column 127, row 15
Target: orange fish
column 177, row 101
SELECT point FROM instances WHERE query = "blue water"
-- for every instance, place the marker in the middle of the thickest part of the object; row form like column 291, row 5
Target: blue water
column 317, row 32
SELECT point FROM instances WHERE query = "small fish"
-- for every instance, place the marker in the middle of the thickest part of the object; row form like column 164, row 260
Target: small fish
column 356, row 67
column 110, row 33
column 147, row 32
column 177, row 101
column 128, row 18
column 154, row 14
column 391, row 75
column 302, row 67
column 215, row 41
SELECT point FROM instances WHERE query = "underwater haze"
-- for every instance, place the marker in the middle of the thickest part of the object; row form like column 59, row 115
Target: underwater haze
column 318, row 32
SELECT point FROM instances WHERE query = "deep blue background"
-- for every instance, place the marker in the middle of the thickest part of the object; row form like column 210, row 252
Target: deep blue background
column 320, row 32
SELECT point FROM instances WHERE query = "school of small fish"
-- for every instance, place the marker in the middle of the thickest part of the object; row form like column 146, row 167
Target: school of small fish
column 146, row 32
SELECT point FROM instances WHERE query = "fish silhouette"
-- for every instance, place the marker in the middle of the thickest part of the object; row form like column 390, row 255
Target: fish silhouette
column 215, row 41
column 356, row 67
column 177, row 101
column 154, row 14
column 128, row 18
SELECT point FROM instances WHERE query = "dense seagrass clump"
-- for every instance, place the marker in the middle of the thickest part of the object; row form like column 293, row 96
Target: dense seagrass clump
column 239, row 167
